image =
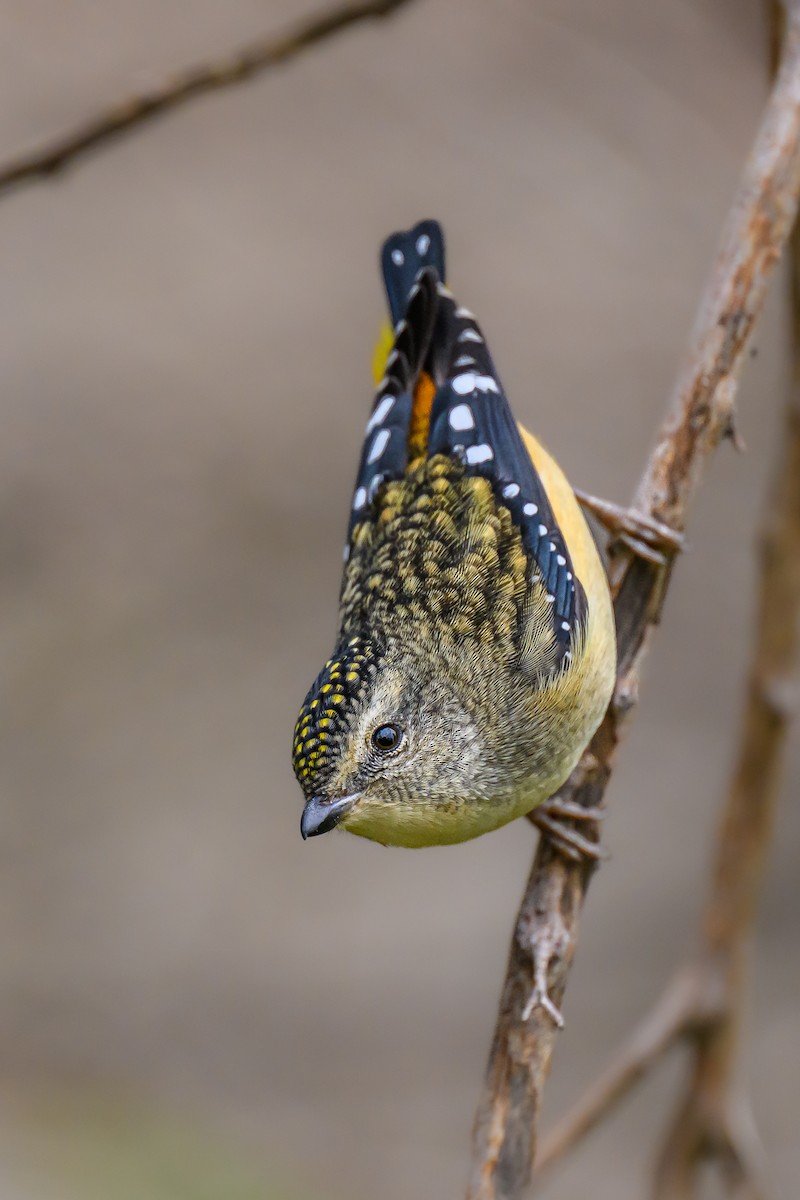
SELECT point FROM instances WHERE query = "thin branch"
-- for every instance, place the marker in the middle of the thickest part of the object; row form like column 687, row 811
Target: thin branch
column 700, row 415
column 704, row 1003
column 227, row 71
column 713, row 1121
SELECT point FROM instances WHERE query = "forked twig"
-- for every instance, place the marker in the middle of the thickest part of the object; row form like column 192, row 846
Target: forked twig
column 226, row 71
column 700, row 415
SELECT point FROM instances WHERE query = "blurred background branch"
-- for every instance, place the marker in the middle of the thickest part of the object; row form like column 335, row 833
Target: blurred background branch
column 230, row 69
column 701, row 414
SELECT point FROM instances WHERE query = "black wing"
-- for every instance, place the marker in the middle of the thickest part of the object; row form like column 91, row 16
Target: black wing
column 472, row 420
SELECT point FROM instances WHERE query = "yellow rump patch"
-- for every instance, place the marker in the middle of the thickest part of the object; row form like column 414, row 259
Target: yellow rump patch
column 383, row 349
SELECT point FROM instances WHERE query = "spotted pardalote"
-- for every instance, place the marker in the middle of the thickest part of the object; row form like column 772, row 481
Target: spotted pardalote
column 475, row 653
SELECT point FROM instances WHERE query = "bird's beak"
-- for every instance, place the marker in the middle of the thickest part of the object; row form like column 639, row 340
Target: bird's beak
column 321, row 813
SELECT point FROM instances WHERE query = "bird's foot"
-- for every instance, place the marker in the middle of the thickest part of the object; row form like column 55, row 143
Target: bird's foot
column 646, row 537
column 546, row 945
column 554, row 819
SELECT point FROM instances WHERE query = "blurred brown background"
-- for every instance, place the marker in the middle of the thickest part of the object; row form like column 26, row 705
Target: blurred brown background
column 192, row 1002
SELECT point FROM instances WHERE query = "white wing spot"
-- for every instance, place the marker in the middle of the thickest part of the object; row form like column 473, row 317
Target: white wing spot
column 374, row 484
column 444, row 290
column 550, row 598
column 530, row 509
column 466, row 360
column 423, row 243
column 569, row 574
column 360, row 498
column 552, row 545
column 542, row 530
column 346, row 554
column 398, row 258
column 565, row 625
column 381, row 413
column 485, row 383
column 479, row 454
column 469, row 335
column 464, row 384
column 461, row 417
column 562, row 562
column 465, row 314
column 511, row 490
column 379, row 444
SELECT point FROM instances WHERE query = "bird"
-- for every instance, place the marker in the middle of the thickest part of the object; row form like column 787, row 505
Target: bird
column 476, row 652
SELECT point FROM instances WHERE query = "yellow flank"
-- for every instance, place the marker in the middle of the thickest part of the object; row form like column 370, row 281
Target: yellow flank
column 578, row 697
column 572, row 523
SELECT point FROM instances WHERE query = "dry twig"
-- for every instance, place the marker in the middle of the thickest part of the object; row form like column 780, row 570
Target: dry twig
column 700, row 415
column 703, row 1003
column 234, row 68
column 713, row 1120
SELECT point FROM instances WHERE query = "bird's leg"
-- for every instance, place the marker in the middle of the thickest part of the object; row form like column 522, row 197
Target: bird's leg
column 554, row 819
column 647, row 538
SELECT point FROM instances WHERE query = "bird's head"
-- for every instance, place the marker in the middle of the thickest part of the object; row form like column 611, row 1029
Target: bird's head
column 389, row 746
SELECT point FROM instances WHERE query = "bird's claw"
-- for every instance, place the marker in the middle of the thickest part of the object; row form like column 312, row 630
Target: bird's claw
column 554, row 818
column 647, row 538
column 541, row 999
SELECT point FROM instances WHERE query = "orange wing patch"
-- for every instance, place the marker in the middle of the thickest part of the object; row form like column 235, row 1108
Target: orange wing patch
column 421, row 417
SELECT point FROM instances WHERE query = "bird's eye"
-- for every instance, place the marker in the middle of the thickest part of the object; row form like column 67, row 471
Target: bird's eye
column 386, row 738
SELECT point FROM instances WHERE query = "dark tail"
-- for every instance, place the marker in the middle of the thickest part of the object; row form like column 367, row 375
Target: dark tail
column 404, row 255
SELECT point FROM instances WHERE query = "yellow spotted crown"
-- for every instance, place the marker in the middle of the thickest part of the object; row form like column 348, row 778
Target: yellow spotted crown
column 328, row 709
